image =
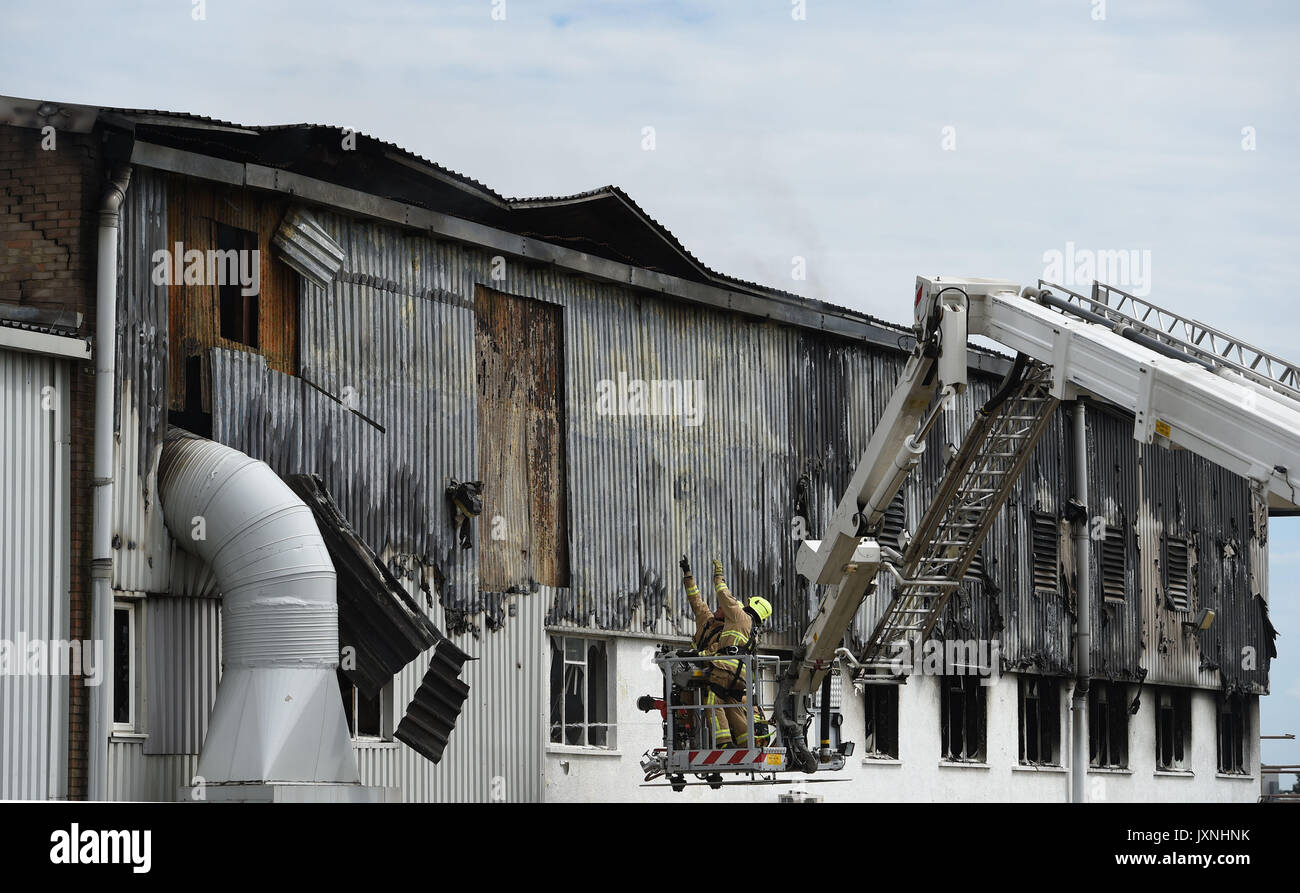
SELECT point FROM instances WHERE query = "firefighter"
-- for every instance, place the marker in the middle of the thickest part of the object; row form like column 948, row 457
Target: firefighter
column 727, row 680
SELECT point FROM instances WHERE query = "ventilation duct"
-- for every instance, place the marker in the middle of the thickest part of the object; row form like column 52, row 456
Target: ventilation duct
column 278, row 716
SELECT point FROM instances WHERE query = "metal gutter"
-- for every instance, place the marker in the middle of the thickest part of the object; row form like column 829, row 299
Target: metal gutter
column 27, row 341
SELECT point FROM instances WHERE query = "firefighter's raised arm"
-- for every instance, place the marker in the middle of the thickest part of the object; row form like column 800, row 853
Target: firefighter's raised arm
column 698, row 607
column 731, row 609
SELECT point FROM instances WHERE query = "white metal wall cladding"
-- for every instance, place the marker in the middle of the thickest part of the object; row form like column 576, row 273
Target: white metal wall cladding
column 183, row 667
column 133, row 775
column 34, row 473
column 496, row 751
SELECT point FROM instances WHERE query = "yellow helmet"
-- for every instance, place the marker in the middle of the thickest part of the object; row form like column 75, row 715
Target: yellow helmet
column 760, row 606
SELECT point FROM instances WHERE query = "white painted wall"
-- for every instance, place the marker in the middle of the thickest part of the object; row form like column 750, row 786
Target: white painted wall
column 574, row 774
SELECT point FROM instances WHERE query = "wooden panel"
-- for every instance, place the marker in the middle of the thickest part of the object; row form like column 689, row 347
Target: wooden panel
column 194, row 210
column 523, row 532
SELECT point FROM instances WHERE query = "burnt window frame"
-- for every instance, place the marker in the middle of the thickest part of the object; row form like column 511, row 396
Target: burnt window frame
column 1038, row 712
column 1173, row 720
column 880, row 738
column 967, row 692
column 606, row 719
column 1232, row 718
column 380, row 708
column 1108, row 725
column 227, row 238
column 1183, row 603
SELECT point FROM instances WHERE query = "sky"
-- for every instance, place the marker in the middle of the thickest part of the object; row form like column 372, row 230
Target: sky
column 870, row 141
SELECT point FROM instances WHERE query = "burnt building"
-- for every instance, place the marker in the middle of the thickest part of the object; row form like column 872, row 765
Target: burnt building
column 382, row 332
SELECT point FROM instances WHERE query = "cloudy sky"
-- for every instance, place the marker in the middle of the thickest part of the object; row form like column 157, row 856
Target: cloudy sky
column 875, row 140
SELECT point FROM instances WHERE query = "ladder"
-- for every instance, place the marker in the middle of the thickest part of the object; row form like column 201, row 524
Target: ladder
column 974, row 488
column 1201, row 343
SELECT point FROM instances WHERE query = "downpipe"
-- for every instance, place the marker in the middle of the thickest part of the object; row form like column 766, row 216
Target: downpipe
column 278, row 716
column 1083, row 610
column 101, row 539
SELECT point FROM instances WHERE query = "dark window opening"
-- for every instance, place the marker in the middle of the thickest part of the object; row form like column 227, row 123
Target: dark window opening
column 1173, row 728
column 1045, row 543
column 962, row 723
column 1108, row 725
column 881, row 706
column 1233, row 721
column 123, row 666
column 365, row 715
column 1177, row 574
column 192, row 418
column 239, row 312
column 1114, row 559
column 1040, row 721
column 580, row 693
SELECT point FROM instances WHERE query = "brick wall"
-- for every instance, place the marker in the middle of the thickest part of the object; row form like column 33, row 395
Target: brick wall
column 48, row 224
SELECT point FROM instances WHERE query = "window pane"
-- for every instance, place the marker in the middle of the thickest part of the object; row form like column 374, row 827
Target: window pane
column 557, row 691
column 575, row 712
column 597, row 694
column 369, row 716
column 573, row 649
column 121, row 665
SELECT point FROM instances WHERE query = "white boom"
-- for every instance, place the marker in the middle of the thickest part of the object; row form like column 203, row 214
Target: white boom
column 1187, row 385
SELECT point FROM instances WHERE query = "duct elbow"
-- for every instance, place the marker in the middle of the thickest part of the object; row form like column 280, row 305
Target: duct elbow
column 278, row 715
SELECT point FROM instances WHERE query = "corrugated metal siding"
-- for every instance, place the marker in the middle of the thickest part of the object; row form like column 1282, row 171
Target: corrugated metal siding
column 496, row 752
column 34, row 535
column 1114, row 495
column 134, row 775
column 183, row 667
column 141, row 545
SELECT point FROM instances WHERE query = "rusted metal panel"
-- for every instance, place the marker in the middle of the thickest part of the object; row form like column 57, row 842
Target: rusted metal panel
column 523, row 533
column 195, row 209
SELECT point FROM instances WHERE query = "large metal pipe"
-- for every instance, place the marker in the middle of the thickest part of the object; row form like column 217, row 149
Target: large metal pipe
column 278, row 716
column 101, row 538
column 1083, row 609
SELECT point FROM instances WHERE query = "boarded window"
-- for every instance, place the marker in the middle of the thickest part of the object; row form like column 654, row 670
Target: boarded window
column 1177, row 574
column 1040, row 721
column 1046, row 546
column 523, row 531
column 1114, row 558
column 1108, row 725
